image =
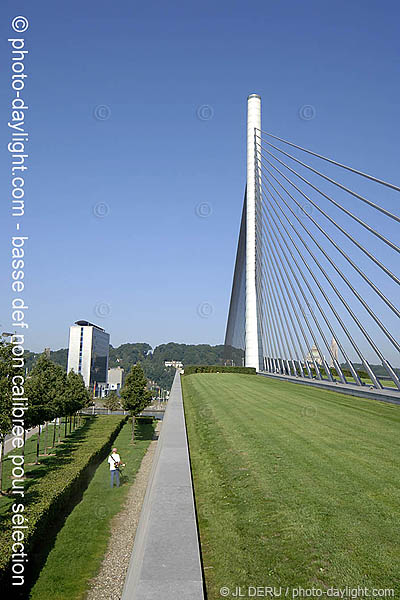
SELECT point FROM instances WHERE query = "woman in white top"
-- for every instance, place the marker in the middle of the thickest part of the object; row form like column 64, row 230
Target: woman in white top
column 114, row 460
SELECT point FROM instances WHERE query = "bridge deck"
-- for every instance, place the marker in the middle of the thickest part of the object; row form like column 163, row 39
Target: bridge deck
column 386, row 395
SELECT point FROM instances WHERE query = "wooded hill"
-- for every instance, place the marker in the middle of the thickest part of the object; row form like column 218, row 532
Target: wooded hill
column 152, row 361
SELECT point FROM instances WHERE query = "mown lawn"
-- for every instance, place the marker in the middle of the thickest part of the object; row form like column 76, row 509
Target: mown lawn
column 81, row 543
column 294, row 486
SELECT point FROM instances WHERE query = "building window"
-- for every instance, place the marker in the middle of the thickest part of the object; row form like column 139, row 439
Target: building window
column 80, row 351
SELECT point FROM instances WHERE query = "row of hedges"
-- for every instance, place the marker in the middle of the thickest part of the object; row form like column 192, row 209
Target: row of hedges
column 346, row 372
column 49, row 496
column 218, row 369
column 189, row 370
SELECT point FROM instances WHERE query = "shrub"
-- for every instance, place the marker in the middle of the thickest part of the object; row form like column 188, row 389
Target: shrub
column 147, row 419
column 189, row 370
column 348, row 373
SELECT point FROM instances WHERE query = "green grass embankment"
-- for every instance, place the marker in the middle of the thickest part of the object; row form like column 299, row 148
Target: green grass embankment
column 294, row 486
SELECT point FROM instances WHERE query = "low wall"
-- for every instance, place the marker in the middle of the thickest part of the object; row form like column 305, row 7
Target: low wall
column 386, row 395
column 165, row 561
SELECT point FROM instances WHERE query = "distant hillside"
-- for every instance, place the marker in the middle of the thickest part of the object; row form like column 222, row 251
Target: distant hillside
column 60, row 357
column 190, row 354
column 127, row 355
column 152, row 361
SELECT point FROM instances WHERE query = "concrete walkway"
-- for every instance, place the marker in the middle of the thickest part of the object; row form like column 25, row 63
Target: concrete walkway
column 165, row 561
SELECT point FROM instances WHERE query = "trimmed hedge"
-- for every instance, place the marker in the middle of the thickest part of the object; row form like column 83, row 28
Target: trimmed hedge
column 54, row 491
column 147, row 419
column 348, row 373
column 218, row 369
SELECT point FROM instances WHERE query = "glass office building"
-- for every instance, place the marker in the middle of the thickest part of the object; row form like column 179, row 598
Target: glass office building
column 88, row 352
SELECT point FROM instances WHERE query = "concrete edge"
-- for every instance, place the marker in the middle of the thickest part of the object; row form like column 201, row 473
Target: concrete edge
column 166, row 554
column 382, row 396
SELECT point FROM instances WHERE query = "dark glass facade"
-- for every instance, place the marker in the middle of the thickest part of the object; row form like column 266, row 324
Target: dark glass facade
column 99, row 362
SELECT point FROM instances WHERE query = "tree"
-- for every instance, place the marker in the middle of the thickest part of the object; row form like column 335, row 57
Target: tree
column 127, row 355
column 135, row 396
column 6, row 373
column 64, row 402
column 75, row 395
column 112, row 401
column 43, row 388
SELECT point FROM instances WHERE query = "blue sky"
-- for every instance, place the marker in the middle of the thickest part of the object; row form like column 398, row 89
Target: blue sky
column 151, row 262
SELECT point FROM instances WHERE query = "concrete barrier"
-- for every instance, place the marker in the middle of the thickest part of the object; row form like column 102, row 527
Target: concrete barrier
column 386, row 395
column 165, row 561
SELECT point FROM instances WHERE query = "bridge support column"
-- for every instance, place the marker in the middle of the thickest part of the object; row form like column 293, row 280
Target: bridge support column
column 252, row 353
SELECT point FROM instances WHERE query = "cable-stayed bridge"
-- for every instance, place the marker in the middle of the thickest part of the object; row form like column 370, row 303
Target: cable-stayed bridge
column 316, row 282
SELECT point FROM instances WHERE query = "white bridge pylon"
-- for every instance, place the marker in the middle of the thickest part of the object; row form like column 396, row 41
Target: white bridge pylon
column 315, row 292
column 252, row 350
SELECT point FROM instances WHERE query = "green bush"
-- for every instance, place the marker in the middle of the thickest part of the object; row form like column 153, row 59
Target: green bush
column 189, row 370
column 144, row 420
column 51, row 493
column 348, row 373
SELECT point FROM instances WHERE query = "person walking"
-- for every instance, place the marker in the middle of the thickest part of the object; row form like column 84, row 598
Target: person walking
column 114, row 460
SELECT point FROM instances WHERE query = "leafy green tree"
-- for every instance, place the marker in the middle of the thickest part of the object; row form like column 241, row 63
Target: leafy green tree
column 72, row 397
column 60, row 357
column 135, row 396
column 43, row 388
column 6, row 373
column 112, row 401
column 127, row 355
column 75, row 395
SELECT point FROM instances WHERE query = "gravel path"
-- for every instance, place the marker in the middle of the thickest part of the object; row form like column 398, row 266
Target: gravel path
column 109, row 582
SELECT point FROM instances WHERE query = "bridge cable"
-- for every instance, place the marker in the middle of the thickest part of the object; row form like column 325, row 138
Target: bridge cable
column 331, row 220
column 261, row 308
column 294, row 328
column 278, row 320
column 370, row 283
column 338, row 164
column 322, row 358
column 295, row 352
column 355, row 319
column 304, row 354
column 272, row 247
column 325, row 318
column 337, row 204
